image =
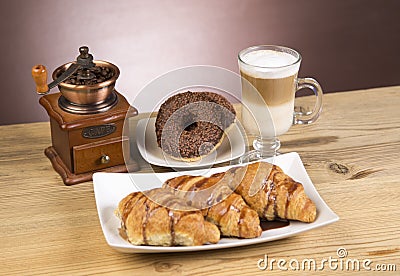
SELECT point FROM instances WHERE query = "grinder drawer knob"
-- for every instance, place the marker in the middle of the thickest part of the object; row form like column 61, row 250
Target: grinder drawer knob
column 105, row 159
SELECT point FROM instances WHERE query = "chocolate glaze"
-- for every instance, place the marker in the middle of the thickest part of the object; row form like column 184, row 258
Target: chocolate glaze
column 269, row 225
column 188, row 126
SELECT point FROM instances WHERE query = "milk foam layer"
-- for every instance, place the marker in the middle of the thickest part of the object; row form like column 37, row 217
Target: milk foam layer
column 269, row 64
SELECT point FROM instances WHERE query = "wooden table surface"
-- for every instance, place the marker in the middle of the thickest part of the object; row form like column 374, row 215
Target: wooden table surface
column 351, row 154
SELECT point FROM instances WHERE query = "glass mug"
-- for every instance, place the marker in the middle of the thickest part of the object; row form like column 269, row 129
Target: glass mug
column 269, row 84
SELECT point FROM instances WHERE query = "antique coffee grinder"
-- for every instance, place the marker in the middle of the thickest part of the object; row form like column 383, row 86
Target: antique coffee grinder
column 86, row 118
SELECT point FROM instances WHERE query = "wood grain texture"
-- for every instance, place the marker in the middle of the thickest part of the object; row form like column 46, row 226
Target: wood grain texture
column 351, row 154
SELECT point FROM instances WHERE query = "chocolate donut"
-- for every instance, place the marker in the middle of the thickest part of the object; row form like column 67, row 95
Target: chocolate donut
column 191, row 125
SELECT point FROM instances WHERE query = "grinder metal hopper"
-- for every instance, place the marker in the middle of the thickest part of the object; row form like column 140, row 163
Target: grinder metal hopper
column 87, row 86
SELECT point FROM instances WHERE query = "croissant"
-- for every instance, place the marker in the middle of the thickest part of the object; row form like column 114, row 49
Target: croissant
column 220, row 205
column 158, row 217
column 272, row 193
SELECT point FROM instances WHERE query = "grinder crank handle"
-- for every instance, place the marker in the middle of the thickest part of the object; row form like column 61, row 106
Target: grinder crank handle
column 39, row 75
column 39, row 72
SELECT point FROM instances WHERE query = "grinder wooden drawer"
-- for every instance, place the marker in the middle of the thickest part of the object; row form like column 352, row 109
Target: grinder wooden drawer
column 99, row 155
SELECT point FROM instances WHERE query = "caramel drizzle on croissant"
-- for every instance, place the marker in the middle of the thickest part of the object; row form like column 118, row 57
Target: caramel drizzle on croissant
column 129, row 205
column 223, row 209
column 136, row 199
column 273, row 178
column 275, row 194
column 187, row 186
column 216, row 200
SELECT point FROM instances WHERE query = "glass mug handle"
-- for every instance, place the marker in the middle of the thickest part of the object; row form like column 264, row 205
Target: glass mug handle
column 301, row 118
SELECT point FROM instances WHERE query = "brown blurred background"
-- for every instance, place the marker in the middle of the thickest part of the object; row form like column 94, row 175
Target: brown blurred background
column 352, row 44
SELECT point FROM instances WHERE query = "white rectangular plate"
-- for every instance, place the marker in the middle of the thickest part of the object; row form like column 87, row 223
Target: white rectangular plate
column 110, row 188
